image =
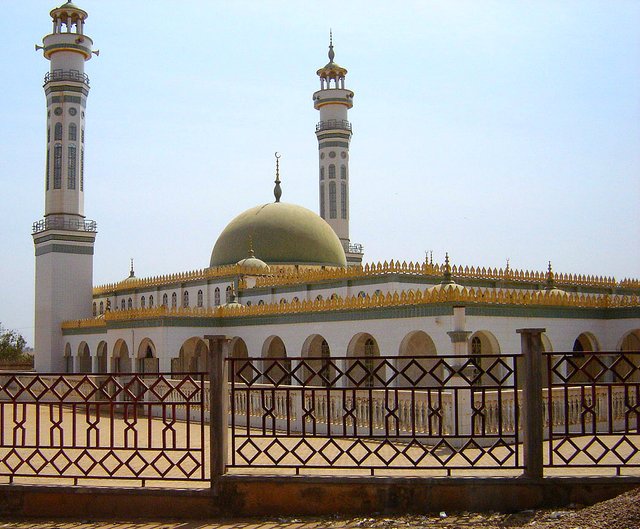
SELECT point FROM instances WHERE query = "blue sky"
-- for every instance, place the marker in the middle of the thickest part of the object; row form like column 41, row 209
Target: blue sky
column 489, row 130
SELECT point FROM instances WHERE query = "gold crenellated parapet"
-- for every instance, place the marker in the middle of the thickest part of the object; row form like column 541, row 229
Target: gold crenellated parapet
column 84, row 323
column 291, row 275
column 448, row 294
column 183, row 277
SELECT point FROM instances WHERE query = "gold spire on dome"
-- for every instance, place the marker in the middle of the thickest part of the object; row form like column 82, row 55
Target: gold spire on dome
column 446, row 276
column 131, row 272
column 277, row 190
column 550, row 278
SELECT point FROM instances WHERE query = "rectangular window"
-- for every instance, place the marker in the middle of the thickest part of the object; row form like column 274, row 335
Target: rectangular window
column 332, row 201
column 81, row 169
column 322, row 201
column 73, row 132
column 47, row 170
column 57, row 166
column 343, row 200
column 71, row 167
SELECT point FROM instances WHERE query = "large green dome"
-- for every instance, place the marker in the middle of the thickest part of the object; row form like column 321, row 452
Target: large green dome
column 279, row 233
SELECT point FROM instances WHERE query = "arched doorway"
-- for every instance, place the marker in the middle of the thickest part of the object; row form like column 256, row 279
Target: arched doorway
column 586, row 367
column 276, row 366
column 318, row 370
column 629, row 344
column 363, row 368
column 192, row 357
column 120, row 359
column 147, row 359
column 418, row 372
column 488, row 371
column 101, row 353
column 84, row 358
column 238, row 349
column 68, row 359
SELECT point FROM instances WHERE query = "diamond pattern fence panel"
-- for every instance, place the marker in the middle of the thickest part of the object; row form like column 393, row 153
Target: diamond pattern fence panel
column 125, row 426
column 375, row 413
column 592, row 409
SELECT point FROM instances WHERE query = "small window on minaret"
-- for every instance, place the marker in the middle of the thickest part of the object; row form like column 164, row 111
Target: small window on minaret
column 73, row 132
column 343, row 172
column 57, row 166
column 322, row 201
column 322, row 173
column 343, row 200
column 57, row 132
column 71, row 169
column 332, row 201
column 332, row 171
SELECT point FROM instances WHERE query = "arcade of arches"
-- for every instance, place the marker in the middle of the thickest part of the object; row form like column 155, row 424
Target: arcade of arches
column 361, row 353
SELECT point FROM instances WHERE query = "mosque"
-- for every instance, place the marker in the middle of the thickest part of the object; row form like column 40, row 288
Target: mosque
column 282, row 280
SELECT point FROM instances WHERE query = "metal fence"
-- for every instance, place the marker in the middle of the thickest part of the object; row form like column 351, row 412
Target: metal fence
column 370, row 414
column 375, row 413
column 102, row 427
column 592, row 409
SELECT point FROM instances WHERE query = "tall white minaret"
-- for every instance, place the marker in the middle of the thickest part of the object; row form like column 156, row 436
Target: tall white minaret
column 333, row 131
column 63, row 238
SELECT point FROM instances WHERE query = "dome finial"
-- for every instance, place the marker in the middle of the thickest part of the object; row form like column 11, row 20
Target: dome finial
column 446, row 276
column 331, row 52
column 277, row 191
column 131, row 273
column 550, row 278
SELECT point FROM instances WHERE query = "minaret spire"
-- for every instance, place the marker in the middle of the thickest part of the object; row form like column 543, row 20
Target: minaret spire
column 331, row 52
column 333, row 131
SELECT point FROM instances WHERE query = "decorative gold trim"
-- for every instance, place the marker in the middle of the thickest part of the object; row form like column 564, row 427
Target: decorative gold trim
column 448, row 294
column 290, row 275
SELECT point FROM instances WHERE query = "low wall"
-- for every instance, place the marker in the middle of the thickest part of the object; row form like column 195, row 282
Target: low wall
column 244, row 496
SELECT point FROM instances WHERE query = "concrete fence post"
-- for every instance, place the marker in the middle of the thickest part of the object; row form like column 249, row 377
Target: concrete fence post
column 218, row 406
column 532, row 417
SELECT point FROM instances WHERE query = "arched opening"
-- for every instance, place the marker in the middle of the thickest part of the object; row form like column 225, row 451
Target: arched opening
column 120, row 359
column 318, row 370
column 192, row 357
column 84, row 358
column 146, row 359
column 486, row 371
column 68, row 359
column 363, row 368
column 276, row 367
column 629, row 344
column 419, row 372
column 238, row 349
column 101, row 353
column 586, row 367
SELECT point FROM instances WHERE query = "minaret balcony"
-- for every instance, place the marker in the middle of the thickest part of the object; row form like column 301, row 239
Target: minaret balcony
column 352, row 247
column 60, row 223
column 66, row 75
column 332, row 124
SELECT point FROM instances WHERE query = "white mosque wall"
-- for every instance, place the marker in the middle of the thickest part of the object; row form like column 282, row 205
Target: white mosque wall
column 388, row 333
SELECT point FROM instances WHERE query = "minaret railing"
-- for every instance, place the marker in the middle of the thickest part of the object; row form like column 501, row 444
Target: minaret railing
column 333, row 124
column 57, row 223
column 66, row 75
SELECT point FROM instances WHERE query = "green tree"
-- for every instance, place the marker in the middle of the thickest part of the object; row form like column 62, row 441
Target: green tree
column 12, row 345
